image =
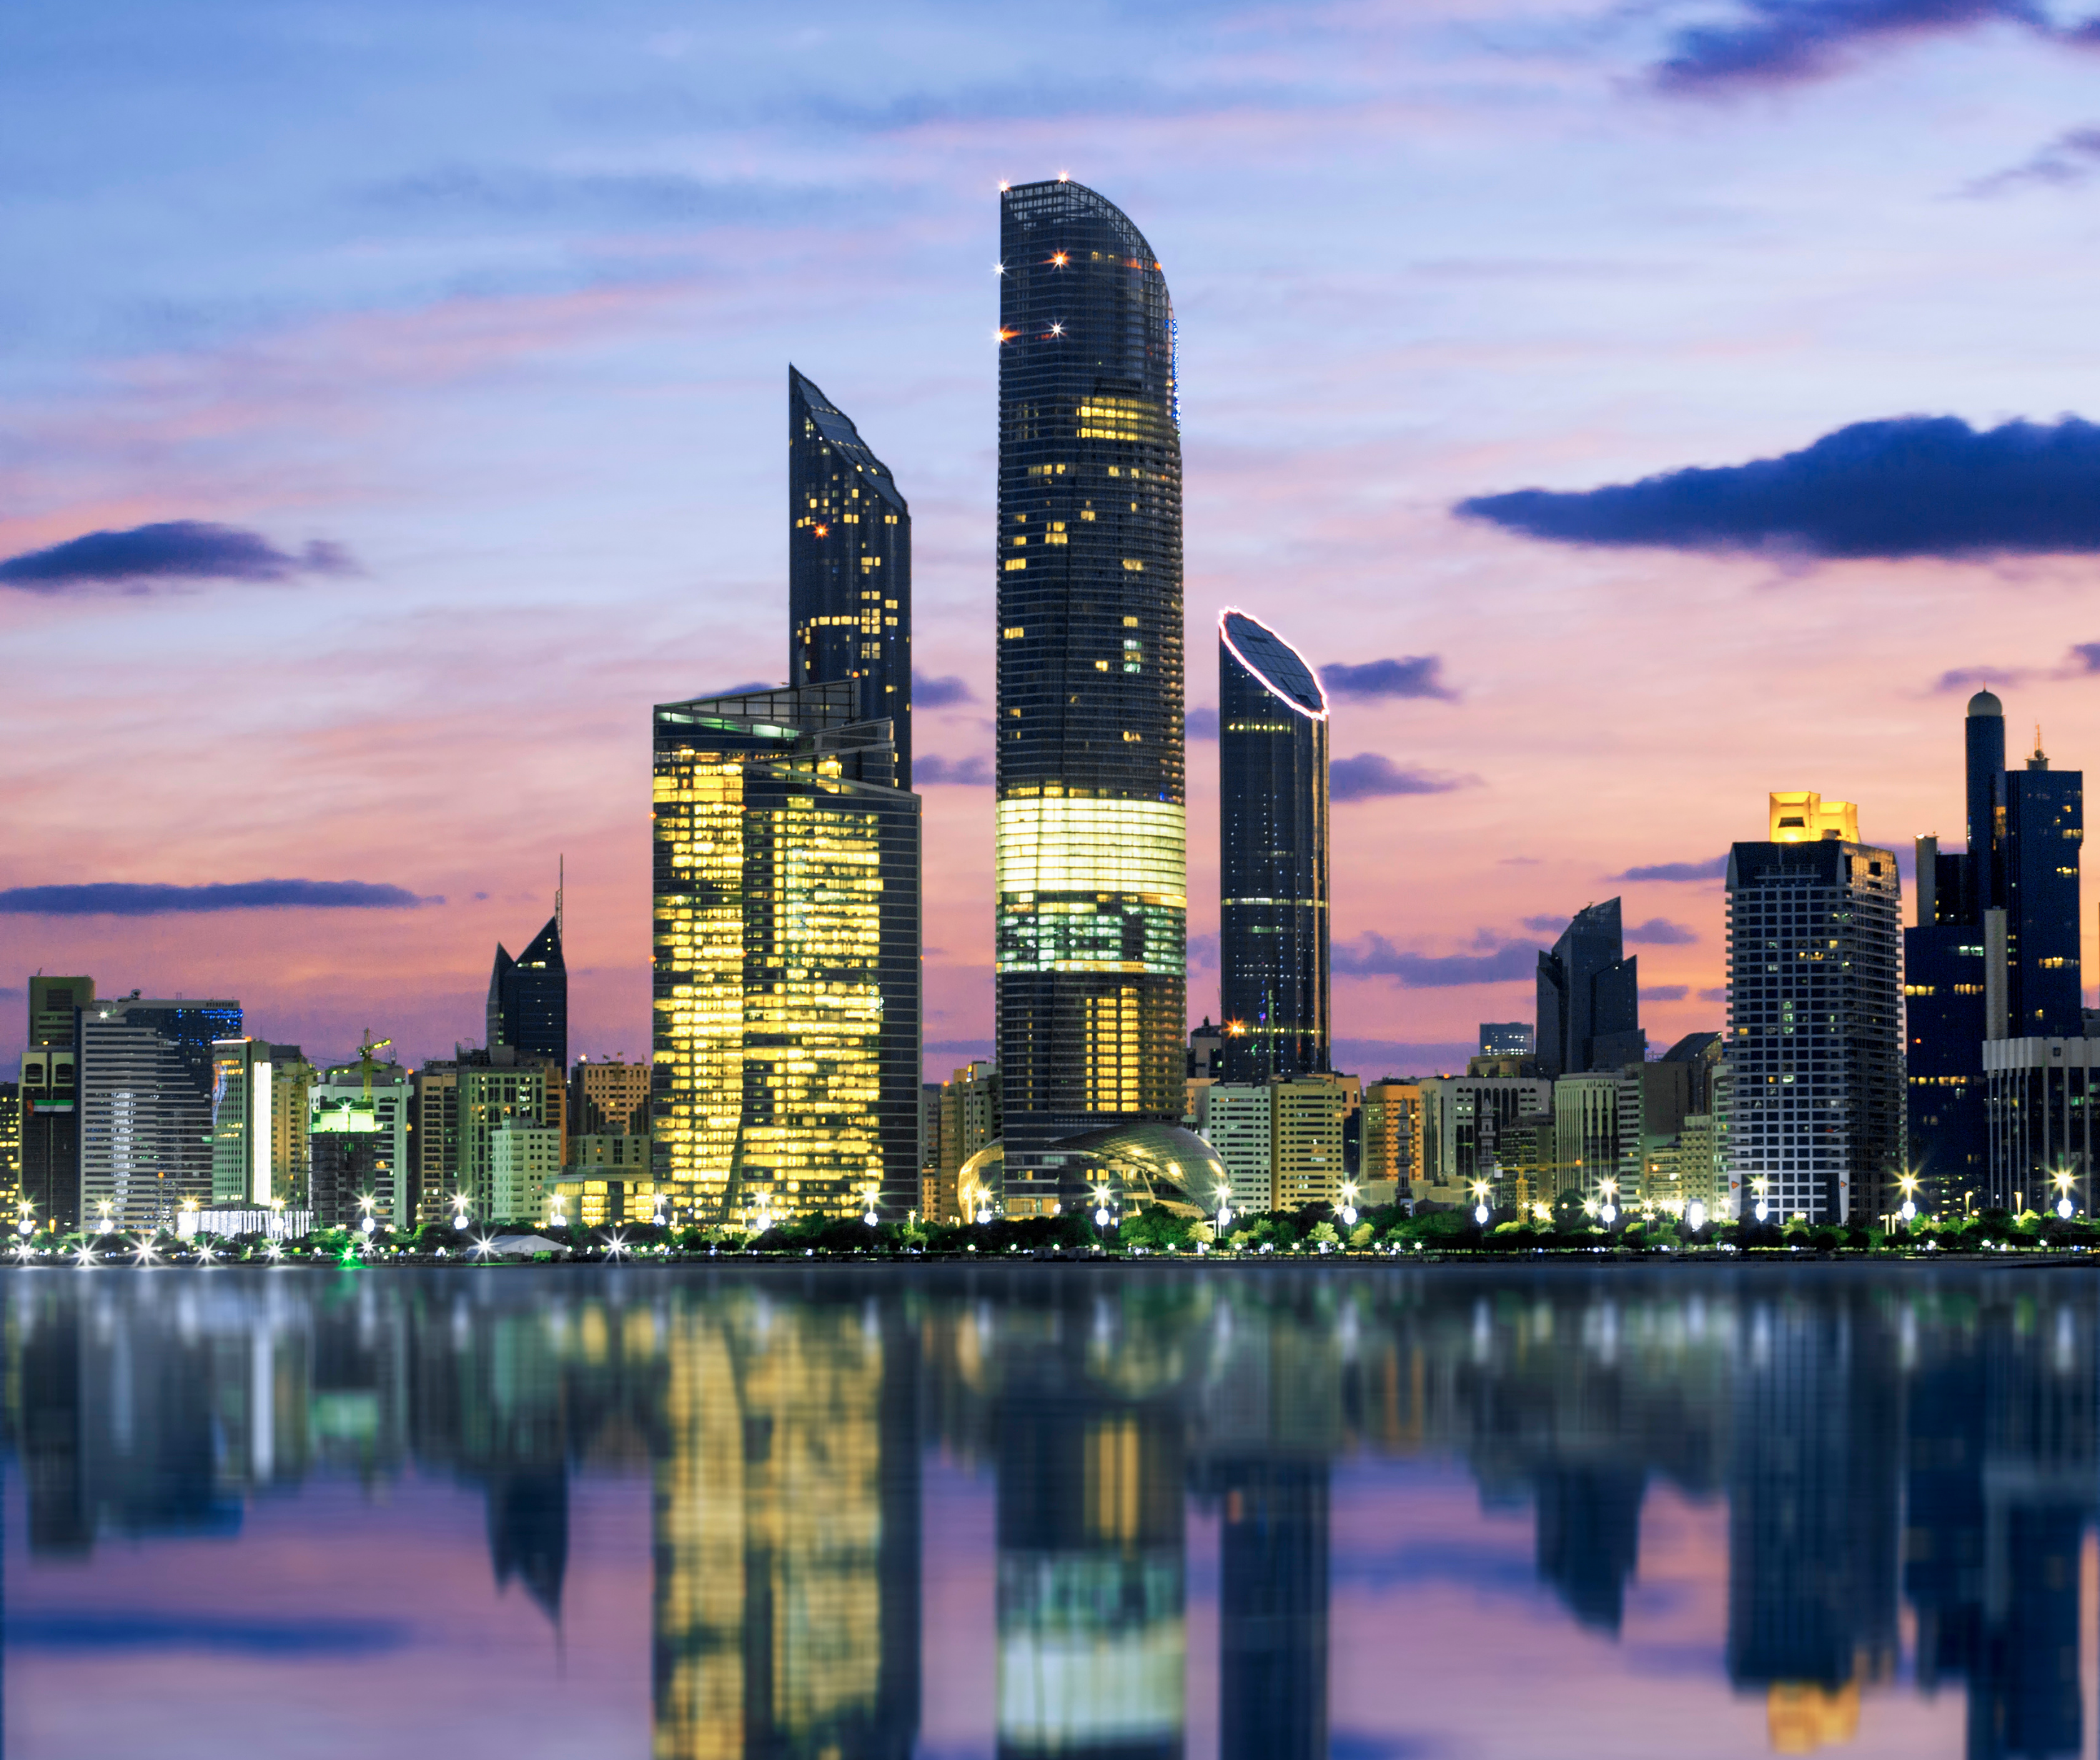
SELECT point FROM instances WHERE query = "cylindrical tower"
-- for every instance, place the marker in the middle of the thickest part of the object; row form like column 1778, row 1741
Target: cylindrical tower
column 1984, row 733
column 1093, row 849
column 1271, row 855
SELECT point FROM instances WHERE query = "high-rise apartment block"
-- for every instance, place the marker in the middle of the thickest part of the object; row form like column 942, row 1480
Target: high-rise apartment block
column 259, row 1125
column 1468, row 1123
column 11, row 1150
column 1994, row 953
column 609, row 1097
column 145, row 1071
column 848, row 566
column 970, row 1120
column 1273, row 836
column 788, row 1063
column 358, row 1143
column 1815, row 1053
column 459, row 1105
column 1589, row 997
column 1092, row 832
column 50, row 1117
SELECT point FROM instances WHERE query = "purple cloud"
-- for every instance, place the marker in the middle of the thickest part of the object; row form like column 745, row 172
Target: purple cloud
column 1658, row 932
column 1202, row 723
column 172, row 550
column 1779, row 42
column 1665, row 992
column 1698, row 870
column 932, row 768
column 1411, row 676
column 1376, row 957
column 120, row 899
column 1914, row 487
column 939, row 693
column 1369, row 775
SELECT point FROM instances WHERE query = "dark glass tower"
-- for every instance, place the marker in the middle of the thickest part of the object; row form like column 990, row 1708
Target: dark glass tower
column 1589, row 997
column 528, row 998
column 849, row 565
column 1092, row 846
column 1271, row 855
column 1994, row 953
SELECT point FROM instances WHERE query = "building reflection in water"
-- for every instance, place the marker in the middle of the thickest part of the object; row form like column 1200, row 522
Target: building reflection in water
column 1881, row 1457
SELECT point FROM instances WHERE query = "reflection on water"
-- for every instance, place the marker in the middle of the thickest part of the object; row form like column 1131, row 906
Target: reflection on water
column 1886, row 1480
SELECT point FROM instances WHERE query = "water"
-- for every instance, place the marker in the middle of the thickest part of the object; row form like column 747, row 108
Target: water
column 1054, row 1509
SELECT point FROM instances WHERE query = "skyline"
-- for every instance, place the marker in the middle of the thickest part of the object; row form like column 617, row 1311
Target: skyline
column 495, row 396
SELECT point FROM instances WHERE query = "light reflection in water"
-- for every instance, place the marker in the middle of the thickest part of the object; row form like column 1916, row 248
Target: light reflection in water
column 1887, row 1480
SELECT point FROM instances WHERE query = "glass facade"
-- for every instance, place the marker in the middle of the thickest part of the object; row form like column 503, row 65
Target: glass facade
column 1271, row 855
column 1994, row 953
column 1589, row 997
column 2042, row 1093
column 849, row 565
column 1815, row 1057
column 1093, row 841
column 528, row 998
column 787, row 959
column 146, row 1075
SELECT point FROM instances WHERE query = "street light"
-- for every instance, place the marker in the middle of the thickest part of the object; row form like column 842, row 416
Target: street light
column 2063, row 1204
column 1758, row 1186
column 871, row 1218
column 1223, row 1194
column 1101, row 1217
column 1480, row 1202
column 1348, row 1205
column 1607, row 1213
column 1695, row 1213
column 1908, row 1212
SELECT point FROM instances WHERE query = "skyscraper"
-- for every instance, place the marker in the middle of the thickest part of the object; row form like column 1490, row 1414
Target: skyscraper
column 786, row 1032
column 528, row 999
column 1271, row 855
column 849, row 565
column 1994, row 953
column 1815, row 1053
column 1093, row 844
column 1589, row 997
column 50, row 1118
column 146, row 1079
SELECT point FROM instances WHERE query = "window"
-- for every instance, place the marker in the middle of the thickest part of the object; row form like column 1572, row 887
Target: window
column 1015, row 562
column 1013, row 632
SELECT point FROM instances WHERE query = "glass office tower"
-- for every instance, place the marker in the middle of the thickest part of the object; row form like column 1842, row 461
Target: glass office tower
column 786, row 959
column 849, row 565
column 1092, row 847
column 528, row 998
column 1271, row 855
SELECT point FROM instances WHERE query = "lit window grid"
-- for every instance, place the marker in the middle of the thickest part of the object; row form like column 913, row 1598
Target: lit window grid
column 774, row 1034
column 1088, row 935
column 1056, row 844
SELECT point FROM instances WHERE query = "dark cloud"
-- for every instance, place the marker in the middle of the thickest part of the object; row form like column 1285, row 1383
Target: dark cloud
column 2073, row 157
column 933, row 769
column 1201, row 722
column 1719, row 993
column 119, row 899
column 172, row 550
column 1411, row 676
column 1375, row 957
column 939, row 693
column 129, row 1629
column 1698, row 870
column 1368, row 775
column 1914, row 487
column 1665, row 992
column 1780, row 42
column 2081, row 660
column 1657, row 932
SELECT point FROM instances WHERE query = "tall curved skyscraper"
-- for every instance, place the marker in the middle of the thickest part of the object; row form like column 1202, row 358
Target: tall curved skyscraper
column 1271, row 855
column 849, row 565
column 1092, row 845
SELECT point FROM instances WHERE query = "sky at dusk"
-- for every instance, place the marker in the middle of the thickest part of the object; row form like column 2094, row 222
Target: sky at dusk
column 393, row 411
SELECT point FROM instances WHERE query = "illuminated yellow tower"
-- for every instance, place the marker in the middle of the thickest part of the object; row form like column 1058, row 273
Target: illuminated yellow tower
column 786, row 1036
